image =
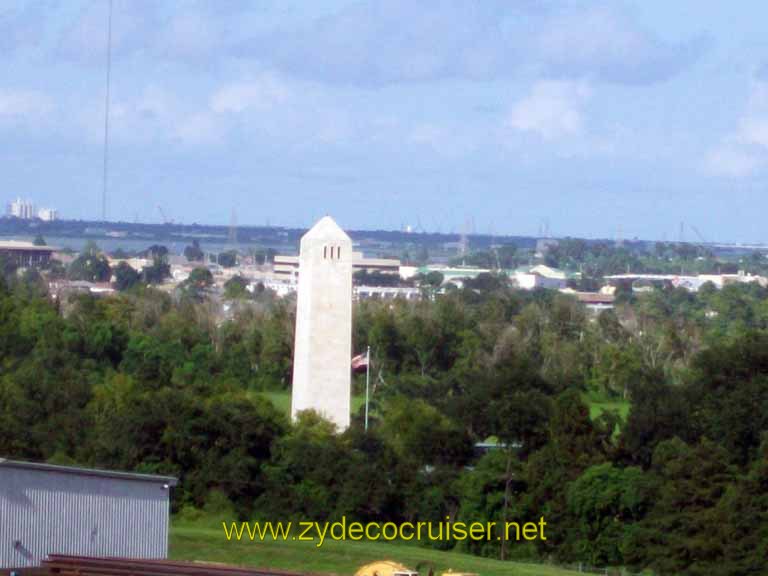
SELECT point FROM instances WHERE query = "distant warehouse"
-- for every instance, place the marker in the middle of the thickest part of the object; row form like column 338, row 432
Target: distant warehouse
column 47, row 509
column 26, row 254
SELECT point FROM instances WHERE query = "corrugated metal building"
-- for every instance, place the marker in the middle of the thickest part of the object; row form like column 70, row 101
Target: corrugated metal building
column 47, row 509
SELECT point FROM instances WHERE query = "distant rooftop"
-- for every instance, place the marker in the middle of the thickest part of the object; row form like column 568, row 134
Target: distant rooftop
column 43, row 467
column 29, row 246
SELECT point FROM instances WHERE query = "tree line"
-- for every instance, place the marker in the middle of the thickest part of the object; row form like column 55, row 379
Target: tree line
column 140, row 381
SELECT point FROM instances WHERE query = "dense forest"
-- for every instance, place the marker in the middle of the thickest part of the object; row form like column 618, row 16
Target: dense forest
column 146, row 382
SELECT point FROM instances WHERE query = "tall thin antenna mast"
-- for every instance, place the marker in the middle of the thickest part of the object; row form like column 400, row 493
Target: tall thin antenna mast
column 106, row 118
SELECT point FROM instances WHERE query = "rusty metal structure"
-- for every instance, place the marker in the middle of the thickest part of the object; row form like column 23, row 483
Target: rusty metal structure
column 61, row 565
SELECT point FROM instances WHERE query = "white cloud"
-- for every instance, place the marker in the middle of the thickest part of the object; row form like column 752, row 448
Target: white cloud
column 754, row 130
column 731, row 159
column 427, row 134
column 190, row 35
column 603, row 42
column 379, row 42
column 262, row 93
column 199, row 129
column 132, row 21
column 745, row 151
column 28, row 106
column 447, row 141
column 154, row 114
column 551, row 109
column 155, row 102
column 160, row 116
column 589, row 36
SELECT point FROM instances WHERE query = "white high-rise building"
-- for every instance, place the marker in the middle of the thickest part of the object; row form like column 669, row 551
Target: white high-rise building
column 23, row 209
column 48, row 214
column 323, row 345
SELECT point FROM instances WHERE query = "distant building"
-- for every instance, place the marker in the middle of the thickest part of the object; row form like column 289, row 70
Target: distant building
column 48, row 214
column 62, row 289
column 540, row 277
column 26, row 254
column 692, row 283
column 137, row 263
column 47, row 509
column 286, row 287
column 454, row 274
column 387, row 292
column 288, row 266
column 281, row 287
column 408, row 272
column 593, row 301
column 23, row 209
column 526, row 278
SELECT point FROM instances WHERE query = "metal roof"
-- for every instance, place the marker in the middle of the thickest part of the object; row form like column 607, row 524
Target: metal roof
column 25, row 246
column 43, row 467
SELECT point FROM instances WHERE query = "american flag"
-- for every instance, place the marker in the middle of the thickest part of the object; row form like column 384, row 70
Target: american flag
column 360, row 362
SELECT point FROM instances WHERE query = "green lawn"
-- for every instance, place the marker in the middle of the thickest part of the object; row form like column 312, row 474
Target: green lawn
column 599, row 405
column 282, row 401
column 189, row 542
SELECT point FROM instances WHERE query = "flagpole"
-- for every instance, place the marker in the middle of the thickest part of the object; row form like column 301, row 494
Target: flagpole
column 367, row 380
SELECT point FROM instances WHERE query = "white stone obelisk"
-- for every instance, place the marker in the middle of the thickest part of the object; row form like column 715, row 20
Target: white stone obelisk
column 323, row 343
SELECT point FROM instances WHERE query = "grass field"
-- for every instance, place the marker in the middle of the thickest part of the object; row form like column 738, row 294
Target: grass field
column 599, row 405
column 191, row 542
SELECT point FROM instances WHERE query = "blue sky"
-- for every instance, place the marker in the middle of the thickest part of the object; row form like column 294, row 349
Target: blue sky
column 598, row 118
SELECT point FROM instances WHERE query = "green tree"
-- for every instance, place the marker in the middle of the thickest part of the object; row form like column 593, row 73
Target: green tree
column 125, row 276
column 91, row 265
column 227, row 259
column 606, row 501
column 197, row 284
column 305, row 476
column 263, row 256
column 741, row 519
column 157, row 251
column 194, row 253
column 420, row 433
column 484, row 494
column 276, row 359
column 363, row 496
column 678, row 535
column 434, row 279
column 510, row 403
column 574, row 444
column 728, row 392
column 422, row 339
column 658, row 412
column 236, row 288
column 157, row 272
